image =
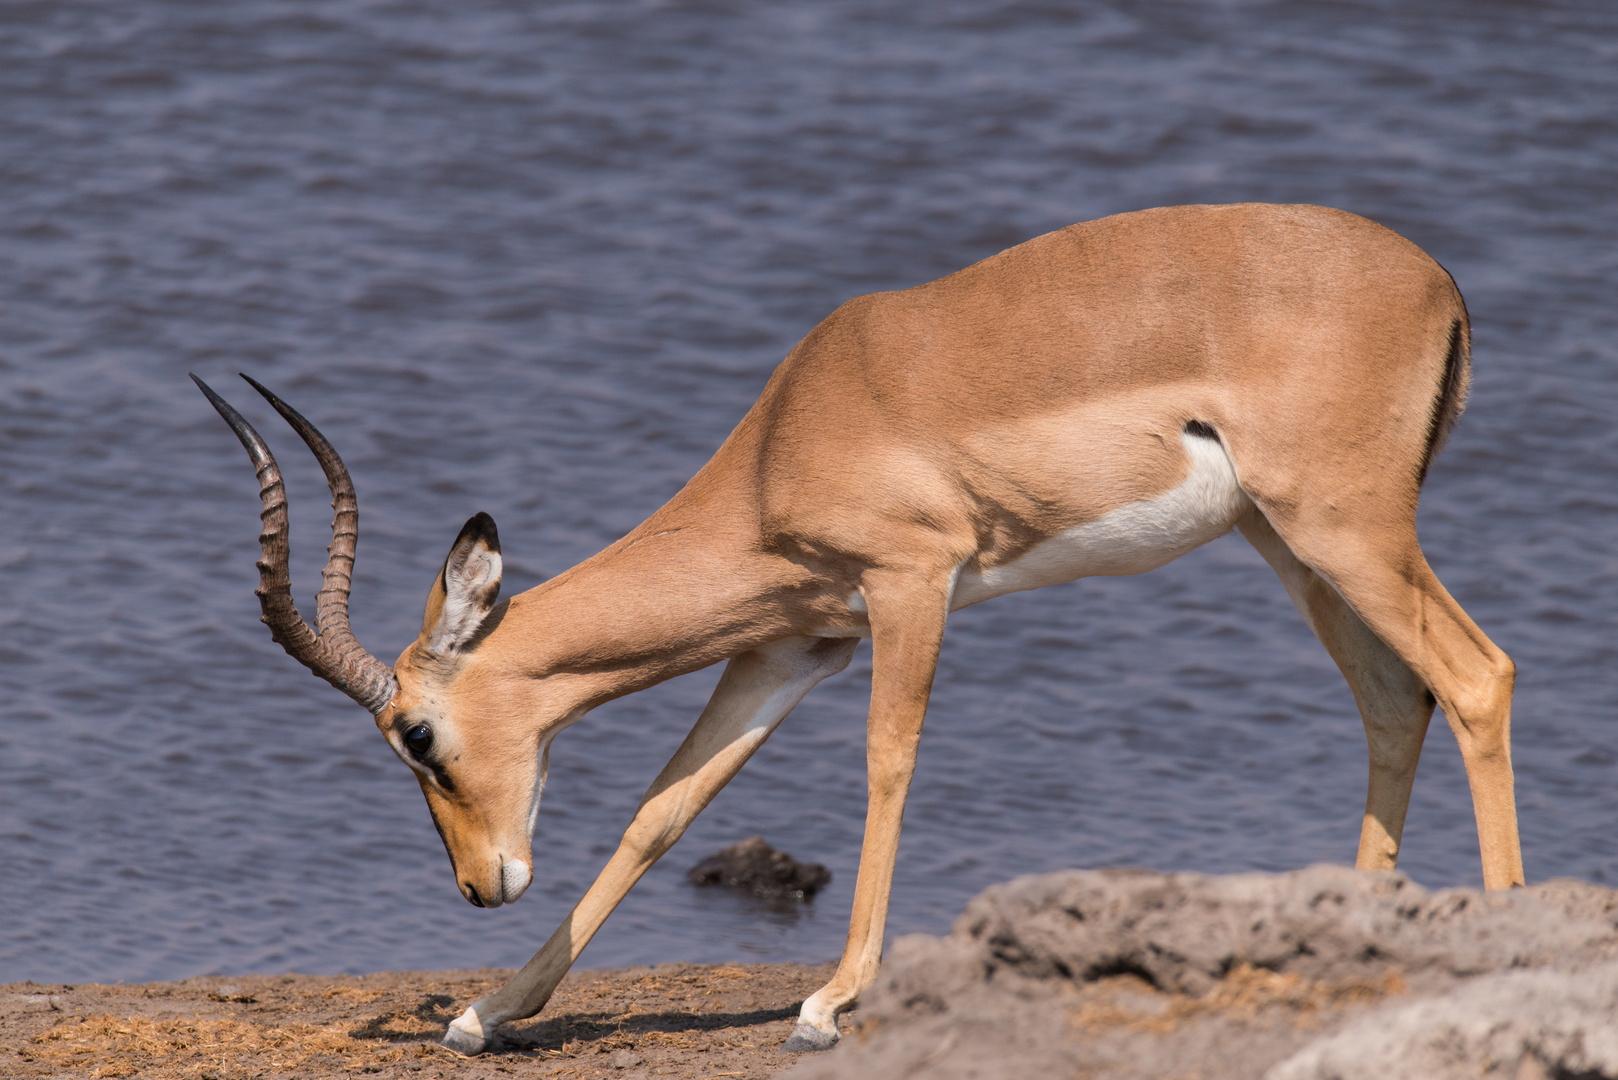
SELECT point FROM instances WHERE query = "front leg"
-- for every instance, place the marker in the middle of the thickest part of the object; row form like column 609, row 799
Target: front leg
column 908, row 612
column 754, row 695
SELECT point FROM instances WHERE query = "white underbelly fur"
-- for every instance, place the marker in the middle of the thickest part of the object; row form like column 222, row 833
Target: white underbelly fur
column 1130, row 540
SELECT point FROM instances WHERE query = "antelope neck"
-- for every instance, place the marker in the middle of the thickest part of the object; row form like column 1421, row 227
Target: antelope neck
column 649, row 608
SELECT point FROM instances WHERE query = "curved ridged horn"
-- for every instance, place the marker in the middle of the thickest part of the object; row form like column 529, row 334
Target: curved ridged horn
column 331, row 652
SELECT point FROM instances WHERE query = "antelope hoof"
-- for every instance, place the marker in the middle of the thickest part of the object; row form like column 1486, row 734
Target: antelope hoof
column 464, row 1043
column 807, row 1037
column 465, row 1035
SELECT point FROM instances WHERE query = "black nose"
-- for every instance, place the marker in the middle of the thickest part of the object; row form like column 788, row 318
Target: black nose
column 472, row 896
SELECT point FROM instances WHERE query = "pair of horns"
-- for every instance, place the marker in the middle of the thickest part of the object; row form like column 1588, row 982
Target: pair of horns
column 330, row 651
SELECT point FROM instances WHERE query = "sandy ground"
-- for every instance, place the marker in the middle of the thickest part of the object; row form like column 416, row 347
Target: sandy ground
column 676, row 1020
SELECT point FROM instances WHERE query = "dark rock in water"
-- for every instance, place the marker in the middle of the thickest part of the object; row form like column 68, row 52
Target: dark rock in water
column 753, row 866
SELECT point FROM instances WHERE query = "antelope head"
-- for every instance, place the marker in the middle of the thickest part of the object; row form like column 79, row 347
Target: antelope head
column 481, row 772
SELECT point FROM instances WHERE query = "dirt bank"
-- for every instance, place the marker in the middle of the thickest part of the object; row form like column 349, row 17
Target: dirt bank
column 678, row 1020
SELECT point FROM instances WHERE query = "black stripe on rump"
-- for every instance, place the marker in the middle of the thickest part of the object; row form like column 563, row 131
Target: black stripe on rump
column 1450, row 400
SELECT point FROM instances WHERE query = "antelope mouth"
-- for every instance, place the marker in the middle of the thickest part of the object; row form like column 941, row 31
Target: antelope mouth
column 515, row 877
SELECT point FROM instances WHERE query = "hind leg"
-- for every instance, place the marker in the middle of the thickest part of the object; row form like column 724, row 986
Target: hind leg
column 1373, row 561
column 1394, row 704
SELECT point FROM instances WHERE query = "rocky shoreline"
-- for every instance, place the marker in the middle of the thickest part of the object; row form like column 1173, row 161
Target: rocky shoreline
column 1320, row 974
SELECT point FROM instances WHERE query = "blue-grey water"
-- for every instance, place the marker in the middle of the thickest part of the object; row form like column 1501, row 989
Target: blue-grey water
column 538, row 258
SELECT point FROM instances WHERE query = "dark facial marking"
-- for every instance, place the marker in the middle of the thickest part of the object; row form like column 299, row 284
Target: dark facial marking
column 418, row 740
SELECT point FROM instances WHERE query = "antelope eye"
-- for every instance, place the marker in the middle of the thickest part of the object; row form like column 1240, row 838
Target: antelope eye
column 418, row 740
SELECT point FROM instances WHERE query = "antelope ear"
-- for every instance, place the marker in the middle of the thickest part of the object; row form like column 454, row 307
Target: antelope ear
column 466, row 590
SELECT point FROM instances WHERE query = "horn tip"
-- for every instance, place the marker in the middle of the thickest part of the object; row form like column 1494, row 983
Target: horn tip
column 221, row 406
column 260, row 387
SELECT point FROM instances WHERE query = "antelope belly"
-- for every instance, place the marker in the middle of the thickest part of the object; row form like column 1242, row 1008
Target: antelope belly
column 1130, row 540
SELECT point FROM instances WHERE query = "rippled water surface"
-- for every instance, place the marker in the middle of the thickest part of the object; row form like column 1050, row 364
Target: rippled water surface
column 538, row 258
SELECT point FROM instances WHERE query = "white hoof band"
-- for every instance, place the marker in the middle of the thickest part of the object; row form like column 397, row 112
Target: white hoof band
column 465, row 1034
column 514, row 878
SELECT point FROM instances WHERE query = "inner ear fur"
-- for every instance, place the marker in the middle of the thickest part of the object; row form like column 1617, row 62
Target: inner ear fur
column 466, row 589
